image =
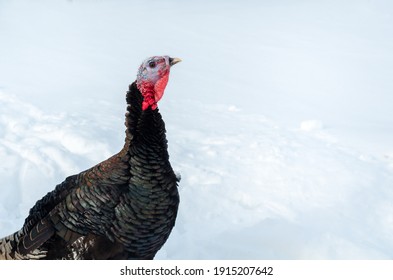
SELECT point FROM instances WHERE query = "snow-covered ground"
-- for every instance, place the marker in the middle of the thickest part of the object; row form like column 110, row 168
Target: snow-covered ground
column 279, row 117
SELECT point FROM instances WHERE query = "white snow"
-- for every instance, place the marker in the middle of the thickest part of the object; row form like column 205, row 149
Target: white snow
column 311, row 125
column 278, row 119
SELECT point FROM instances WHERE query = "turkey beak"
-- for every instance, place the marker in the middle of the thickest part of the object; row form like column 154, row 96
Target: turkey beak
column 174, row 60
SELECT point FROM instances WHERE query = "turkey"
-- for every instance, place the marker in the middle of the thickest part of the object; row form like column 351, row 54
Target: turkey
column 124, row 207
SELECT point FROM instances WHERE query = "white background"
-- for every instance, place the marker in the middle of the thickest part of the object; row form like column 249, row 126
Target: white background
column 279, row 118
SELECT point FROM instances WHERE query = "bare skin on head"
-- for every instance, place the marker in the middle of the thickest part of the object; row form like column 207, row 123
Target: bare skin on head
column 153, row 77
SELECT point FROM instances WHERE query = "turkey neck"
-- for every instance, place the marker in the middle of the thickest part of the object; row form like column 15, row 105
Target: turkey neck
column 145, row 128
column 146, row 143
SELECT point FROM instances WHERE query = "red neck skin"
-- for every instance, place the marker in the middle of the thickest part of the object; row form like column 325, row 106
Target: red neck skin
column 148, row 93
column 152, row 93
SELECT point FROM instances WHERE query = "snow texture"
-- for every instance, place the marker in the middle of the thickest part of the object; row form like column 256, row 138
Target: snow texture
column 278, row 119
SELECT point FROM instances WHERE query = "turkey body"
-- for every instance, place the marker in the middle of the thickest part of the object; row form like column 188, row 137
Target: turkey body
column 122, row 208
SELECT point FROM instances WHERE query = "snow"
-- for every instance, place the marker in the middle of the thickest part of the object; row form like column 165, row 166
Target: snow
column 278, row 119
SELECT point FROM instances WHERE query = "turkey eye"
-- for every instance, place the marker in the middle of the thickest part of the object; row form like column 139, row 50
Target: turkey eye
column 152, row 64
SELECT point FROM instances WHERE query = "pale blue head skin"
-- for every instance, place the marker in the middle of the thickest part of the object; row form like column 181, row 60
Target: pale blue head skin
column 153, row 69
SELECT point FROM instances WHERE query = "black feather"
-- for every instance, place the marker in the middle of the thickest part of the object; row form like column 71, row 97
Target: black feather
column 122, row 208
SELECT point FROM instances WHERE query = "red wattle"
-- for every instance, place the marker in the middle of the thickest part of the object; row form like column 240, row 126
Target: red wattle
column 159, row 87
column 148, row 94
column 153, row 93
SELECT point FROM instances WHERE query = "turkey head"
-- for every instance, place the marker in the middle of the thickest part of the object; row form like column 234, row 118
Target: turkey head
column 152, row 79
